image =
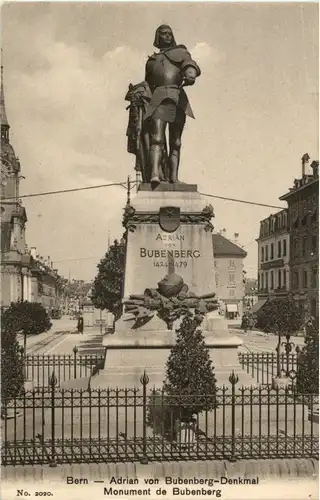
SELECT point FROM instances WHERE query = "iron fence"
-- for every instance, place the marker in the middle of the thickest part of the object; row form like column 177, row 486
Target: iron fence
column 55, row 426
column 263, row 365
column 38, row 368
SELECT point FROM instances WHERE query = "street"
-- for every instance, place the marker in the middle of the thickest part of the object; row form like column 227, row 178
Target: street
column 63, row 337
column 256, row 341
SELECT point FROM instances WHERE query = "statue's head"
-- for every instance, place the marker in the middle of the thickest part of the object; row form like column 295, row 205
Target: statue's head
column 164, row 37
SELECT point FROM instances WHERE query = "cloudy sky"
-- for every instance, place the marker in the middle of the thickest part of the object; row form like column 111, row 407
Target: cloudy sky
column 67, row 68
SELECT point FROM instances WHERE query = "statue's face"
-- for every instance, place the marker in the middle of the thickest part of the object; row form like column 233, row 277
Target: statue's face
column 165, row 37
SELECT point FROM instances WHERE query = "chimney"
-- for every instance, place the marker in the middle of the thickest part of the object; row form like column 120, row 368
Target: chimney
column 305, row 160
column 236, row 238
column 33, row 252
column 315, row 168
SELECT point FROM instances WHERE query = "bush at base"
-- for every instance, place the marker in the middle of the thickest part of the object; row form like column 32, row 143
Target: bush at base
column 190, row 385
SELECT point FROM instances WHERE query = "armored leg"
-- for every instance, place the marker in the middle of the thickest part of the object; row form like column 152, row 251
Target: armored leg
column 157, row 141
column 175, row 133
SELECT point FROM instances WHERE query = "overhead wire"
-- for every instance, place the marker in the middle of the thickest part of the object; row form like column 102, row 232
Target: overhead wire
column 124, row 185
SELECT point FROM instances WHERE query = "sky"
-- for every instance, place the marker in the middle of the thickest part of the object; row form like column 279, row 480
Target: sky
column 67, row 68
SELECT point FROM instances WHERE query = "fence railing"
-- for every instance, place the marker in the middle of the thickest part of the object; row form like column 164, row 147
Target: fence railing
column 55, row 426
column 263, row 365
column 38, row 368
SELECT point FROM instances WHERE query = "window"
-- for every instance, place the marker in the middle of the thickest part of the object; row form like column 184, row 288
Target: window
column 314, row 277
column 284, row 248
column 232, row 278
column 262, row 254
column 279, row 249
column 271, row 251
column 304, row 246
column 231, row 263
column 271, row 280
column 231, row 292
column 266, row 253
column 279, row 278
column 262, row 282
column 314, row 244
column 284, row 278
column 296, row 279
column 267, row 284
column 304, row 220
column 295, row 247
column 305, row 278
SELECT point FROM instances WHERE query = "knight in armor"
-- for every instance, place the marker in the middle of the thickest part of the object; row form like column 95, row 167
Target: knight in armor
column 157, row 101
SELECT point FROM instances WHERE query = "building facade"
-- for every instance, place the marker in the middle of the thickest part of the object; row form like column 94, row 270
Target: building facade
column 48, row 288
column 251, row 293
column 24, row 276
column 303, row 215
column 15, row 258
column 228, row 261
column 274, row 256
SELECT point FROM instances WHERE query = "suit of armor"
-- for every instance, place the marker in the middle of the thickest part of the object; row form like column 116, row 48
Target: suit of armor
column 165, row 102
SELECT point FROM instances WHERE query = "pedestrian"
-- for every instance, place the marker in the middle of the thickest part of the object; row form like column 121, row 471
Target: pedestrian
column 80, row 324
column 250, row 322
column 244, row 324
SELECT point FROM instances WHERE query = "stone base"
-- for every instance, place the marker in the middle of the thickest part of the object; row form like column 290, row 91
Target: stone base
column 130, row 352
column 167, row 186
column 280, row 382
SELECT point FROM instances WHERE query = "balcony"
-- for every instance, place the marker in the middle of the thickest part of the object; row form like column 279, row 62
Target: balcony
column 272, row 264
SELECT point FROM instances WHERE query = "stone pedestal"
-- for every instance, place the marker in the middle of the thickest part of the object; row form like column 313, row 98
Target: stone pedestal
column 150, row 245
column 169, row 230
column 130, row 353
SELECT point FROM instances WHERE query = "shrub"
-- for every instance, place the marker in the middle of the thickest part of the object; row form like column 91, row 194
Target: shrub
column 308, row 362
column 12, row 365
column 161, row 416
column 190, row 384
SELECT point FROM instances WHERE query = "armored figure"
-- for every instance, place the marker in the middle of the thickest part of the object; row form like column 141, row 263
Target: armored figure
column 157, row 101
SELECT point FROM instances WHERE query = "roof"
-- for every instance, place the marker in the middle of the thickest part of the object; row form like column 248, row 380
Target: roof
column 223, row 246
column 311, row 181
column 258, row 305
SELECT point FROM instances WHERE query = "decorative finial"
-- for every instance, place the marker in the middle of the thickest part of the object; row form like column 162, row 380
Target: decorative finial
column 3, row 115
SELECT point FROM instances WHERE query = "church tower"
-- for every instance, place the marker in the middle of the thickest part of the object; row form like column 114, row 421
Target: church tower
column 15, row 261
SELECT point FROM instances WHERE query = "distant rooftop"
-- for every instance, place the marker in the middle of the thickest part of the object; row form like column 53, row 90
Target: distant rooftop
column 223, row 246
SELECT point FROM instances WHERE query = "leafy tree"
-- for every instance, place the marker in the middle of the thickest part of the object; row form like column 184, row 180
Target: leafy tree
column 308, row 362
column 12, row 366
column 282, row 317
column 107, row 290
column 190, row 384
column 27, row 318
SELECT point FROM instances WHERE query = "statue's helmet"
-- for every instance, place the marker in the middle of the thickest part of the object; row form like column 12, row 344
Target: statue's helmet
column 171, row 285
column 163, row 27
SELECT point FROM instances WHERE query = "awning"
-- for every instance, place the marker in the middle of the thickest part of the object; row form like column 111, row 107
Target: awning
column 258, row 305
column 232, row 308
